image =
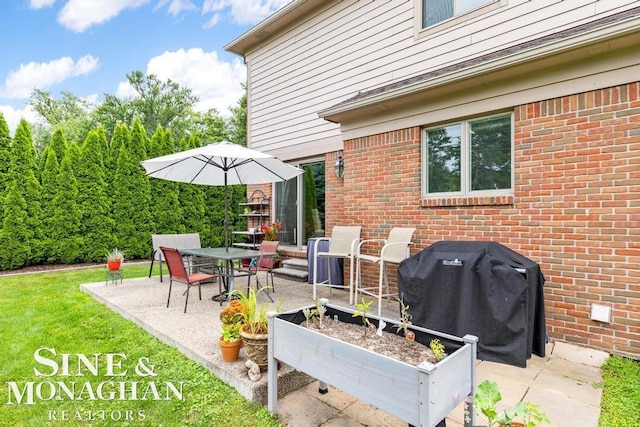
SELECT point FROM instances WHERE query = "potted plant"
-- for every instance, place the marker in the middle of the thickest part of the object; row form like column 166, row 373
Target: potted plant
column 488, row 395
column 254, row 330
column 271, row 231
column 230, row 341
column 115, row 258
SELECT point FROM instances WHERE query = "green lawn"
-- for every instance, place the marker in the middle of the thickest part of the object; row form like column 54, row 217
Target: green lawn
column 48, row 311
column 621, row 397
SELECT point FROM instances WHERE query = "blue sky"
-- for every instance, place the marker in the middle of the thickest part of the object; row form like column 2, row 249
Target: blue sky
column 88, row 46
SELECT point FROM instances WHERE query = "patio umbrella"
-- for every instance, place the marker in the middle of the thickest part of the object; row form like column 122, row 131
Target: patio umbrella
column 223, row 164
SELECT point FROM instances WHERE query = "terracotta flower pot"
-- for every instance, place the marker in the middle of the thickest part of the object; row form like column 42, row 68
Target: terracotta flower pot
column 114, row 265
column 230, row 350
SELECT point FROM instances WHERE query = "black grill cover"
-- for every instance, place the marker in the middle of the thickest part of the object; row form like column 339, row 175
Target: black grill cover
column 461, row 287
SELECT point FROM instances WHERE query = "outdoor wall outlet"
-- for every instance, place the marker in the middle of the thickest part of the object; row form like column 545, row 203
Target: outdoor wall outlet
column 601, row 313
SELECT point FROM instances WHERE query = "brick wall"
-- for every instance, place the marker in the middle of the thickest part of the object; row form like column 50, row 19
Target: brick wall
column 575, row 209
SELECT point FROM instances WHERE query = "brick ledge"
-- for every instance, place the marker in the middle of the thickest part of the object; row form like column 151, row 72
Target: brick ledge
column 431, row 202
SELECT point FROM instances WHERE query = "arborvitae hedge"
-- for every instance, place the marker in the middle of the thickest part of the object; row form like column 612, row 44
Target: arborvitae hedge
column 76, row 203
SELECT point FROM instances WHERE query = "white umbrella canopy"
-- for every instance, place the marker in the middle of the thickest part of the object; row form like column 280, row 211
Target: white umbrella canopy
column 222, row 164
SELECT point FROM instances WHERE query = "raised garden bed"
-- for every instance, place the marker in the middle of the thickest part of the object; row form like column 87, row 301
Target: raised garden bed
column 420, row 395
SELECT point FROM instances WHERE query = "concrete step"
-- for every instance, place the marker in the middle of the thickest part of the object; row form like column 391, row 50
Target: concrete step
column 291, row 274
column 296, row 264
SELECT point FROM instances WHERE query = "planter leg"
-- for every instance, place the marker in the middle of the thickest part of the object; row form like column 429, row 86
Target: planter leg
column 272, row 371
column 322, row 387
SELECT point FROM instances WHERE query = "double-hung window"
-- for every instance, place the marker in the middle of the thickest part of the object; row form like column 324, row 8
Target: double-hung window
column 435, row 11
column 470, row 157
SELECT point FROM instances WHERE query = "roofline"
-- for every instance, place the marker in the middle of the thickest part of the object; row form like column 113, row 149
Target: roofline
column 274, row 23
column 512, row 57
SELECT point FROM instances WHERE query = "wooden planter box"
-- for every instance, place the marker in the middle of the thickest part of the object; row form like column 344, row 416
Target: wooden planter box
column 420, row 395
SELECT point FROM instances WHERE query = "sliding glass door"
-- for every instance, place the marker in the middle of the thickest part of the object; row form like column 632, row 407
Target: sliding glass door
column 300, row 205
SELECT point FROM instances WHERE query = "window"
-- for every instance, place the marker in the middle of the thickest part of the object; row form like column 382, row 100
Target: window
column 469, row 157
column 434, row 11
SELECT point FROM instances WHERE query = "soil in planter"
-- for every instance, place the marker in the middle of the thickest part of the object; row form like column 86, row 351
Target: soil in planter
column 391, row 345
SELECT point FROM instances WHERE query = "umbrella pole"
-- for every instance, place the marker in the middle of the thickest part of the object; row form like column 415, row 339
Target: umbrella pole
column 226, row 213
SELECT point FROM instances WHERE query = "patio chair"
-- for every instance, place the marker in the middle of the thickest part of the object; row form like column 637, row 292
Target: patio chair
column 178, row 272
column 265, row 262
column 342, row 244
column 395, row 249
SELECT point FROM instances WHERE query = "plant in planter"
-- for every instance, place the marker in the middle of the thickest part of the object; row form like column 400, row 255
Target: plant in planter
column 369, row 369
column 405, row 321
column 271, row 231
column 234, row 313
column 230, row 342
column 254, row 331
column 438, row 349
column 319, row 311
column 115, row 258
column 488, row 395
column 232, row 318
column 362, row 310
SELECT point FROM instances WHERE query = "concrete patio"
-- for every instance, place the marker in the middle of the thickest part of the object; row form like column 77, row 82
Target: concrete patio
column 562, row 383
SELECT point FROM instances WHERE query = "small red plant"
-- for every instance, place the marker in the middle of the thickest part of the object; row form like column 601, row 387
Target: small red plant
column 271, row 231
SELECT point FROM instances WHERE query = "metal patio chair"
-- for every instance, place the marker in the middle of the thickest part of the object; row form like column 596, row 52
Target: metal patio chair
column 343, row 244
column 395, row 249
column 178, row 272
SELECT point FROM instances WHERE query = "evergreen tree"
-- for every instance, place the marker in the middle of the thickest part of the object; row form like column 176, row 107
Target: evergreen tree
column 155, row 143
column 58, row 144
column 23, row 153
column 66, row 217
column 104, row 144
column 49, row 189
column 22, row 170
column 167, row 212
column 74, row 156
column 120, row 137
column 192, row 200
column 97, row 225
column 139, row 141
column 5, row 160
column 15, row 235
column 132, row 204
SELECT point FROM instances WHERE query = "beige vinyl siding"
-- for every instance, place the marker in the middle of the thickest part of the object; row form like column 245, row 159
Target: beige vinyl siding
column 359, row 45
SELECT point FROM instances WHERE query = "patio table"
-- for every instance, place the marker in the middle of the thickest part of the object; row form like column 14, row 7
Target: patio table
column 228, row 256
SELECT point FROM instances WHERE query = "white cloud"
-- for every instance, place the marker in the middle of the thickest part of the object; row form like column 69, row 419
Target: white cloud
column 177, row 6
column 13, row 116
column 125, row 90
column 41, row 75
column 39, row 4
column 242, row 12
column 78, row 15
column 215, row 82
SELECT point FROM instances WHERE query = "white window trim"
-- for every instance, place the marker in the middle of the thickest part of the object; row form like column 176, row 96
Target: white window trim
column 464, row 159
column 420, row 32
